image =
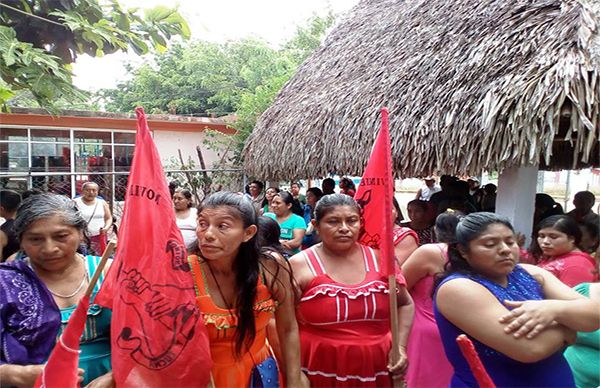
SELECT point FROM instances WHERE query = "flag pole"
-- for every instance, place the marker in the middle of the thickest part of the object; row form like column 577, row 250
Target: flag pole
column 110, row 248
column 395, row 354
column 388, row 250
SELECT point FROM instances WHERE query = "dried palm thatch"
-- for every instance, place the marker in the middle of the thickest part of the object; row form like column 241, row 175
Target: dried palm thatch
column 470, row 85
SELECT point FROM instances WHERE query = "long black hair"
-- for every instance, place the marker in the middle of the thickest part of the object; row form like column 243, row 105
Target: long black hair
column 245, row 265
column 468, row 229
column 268, row 237
column 399, row 215
column 445, row 226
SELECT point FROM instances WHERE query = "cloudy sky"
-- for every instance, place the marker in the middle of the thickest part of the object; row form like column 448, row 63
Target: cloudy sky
column 272, row 20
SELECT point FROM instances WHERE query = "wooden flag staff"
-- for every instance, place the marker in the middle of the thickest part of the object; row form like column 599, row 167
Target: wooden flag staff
column 110, row 248
column 395, row 355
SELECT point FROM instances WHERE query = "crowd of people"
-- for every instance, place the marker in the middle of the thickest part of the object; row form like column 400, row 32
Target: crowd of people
column 289, row 296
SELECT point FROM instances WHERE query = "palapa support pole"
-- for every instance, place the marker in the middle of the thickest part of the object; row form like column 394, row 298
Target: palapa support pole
column 110, row 248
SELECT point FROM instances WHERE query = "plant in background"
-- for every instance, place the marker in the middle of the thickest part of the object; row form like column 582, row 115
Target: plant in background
column 40, row 39
column 238, row 78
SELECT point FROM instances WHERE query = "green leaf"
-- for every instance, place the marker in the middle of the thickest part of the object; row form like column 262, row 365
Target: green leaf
column 158, row 39
column 139, row 46
column 6, row 94
column 158, row 13
column 9, row 55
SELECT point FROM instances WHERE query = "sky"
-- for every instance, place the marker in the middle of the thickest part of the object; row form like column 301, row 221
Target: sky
column 275, row 21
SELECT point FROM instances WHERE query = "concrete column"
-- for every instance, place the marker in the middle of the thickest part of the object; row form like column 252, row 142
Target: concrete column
column 516, row 196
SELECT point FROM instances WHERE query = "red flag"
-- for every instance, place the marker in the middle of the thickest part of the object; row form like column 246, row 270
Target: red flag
column 61, row 369
column 158, row 337
column 375, row 194
column 468, row 350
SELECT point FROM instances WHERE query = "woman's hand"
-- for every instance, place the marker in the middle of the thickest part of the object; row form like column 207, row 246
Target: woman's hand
column 104, row 381
column 398, row 370
column 528, row 318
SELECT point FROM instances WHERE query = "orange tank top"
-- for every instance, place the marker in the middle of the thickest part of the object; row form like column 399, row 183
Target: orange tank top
column 229, row 371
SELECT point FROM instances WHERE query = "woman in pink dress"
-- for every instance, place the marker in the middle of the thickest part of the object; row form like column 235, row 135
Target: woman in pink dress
column 343, row 313
column 557, row 248
column 428, row 365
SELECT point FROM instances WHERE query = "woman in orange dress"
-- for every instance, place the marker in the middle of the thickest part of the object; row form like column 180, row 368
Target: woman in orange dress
column 238, row 290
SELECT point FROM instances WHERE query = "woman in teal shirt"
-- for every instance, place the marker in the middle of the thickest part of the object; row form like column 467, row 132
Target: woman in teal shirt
column 293, row 226
column 584, row 355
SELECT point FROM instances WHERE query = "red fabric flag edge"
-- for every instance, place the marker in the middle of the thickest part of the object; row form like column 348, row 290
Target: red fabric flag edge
column 61, row 369
column 378, row 172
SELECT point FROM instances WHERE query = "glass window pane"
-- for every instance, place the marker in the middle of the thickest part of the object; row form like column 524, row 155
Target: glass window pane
column 50, row 157
column 93, row 158
column 124, row 137
column 58, row 184
column 92, row 137
column 123, row 158
column 13, row 134
column 52, row 135
column 18, row 184
column 120, row 187
column 13, row 157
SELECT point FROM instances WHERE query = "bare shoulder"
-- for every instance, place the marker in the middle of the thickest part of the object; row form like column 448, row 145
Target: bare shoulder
column 551, row 286
column 298, row 261
column 532, row 269
column 301, row 270
column 273, row 261
column 538, row 273
column 428, row 251
column 460, row 291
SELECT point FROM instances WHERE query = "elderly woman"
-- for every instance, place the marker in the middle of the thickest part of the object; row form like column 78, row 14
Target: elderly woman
column 96, row 213
column 39, row 293
column 186, row 217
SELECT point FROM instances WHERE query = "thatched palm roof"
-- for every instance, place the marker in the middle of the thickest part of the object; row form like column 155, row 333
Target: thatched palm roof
column 470, row 85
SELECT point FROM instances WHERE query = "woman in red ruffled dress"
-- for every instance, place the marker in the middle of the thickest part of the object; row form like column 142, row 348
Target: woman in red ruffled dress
column 557, row 248
column 343, row 312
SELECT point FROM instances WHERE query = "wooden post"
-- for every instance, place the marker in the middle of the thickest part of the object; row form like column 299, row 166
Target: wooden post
column 110, row 247
column 395, row 352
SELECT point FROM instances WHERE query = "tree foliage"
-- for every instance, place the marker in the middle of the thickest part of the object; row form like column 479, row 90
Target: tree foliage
column 202, row 78
column 39, row 39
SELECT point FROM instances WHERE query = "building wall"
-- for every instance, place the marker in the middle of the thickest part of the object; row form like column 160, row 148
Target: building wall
column 169, row 142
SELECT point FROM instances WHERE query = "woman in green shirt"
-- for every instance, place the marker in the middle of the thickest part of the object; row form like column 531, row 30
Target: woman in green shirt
column 292, row 225
column 584, row 355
